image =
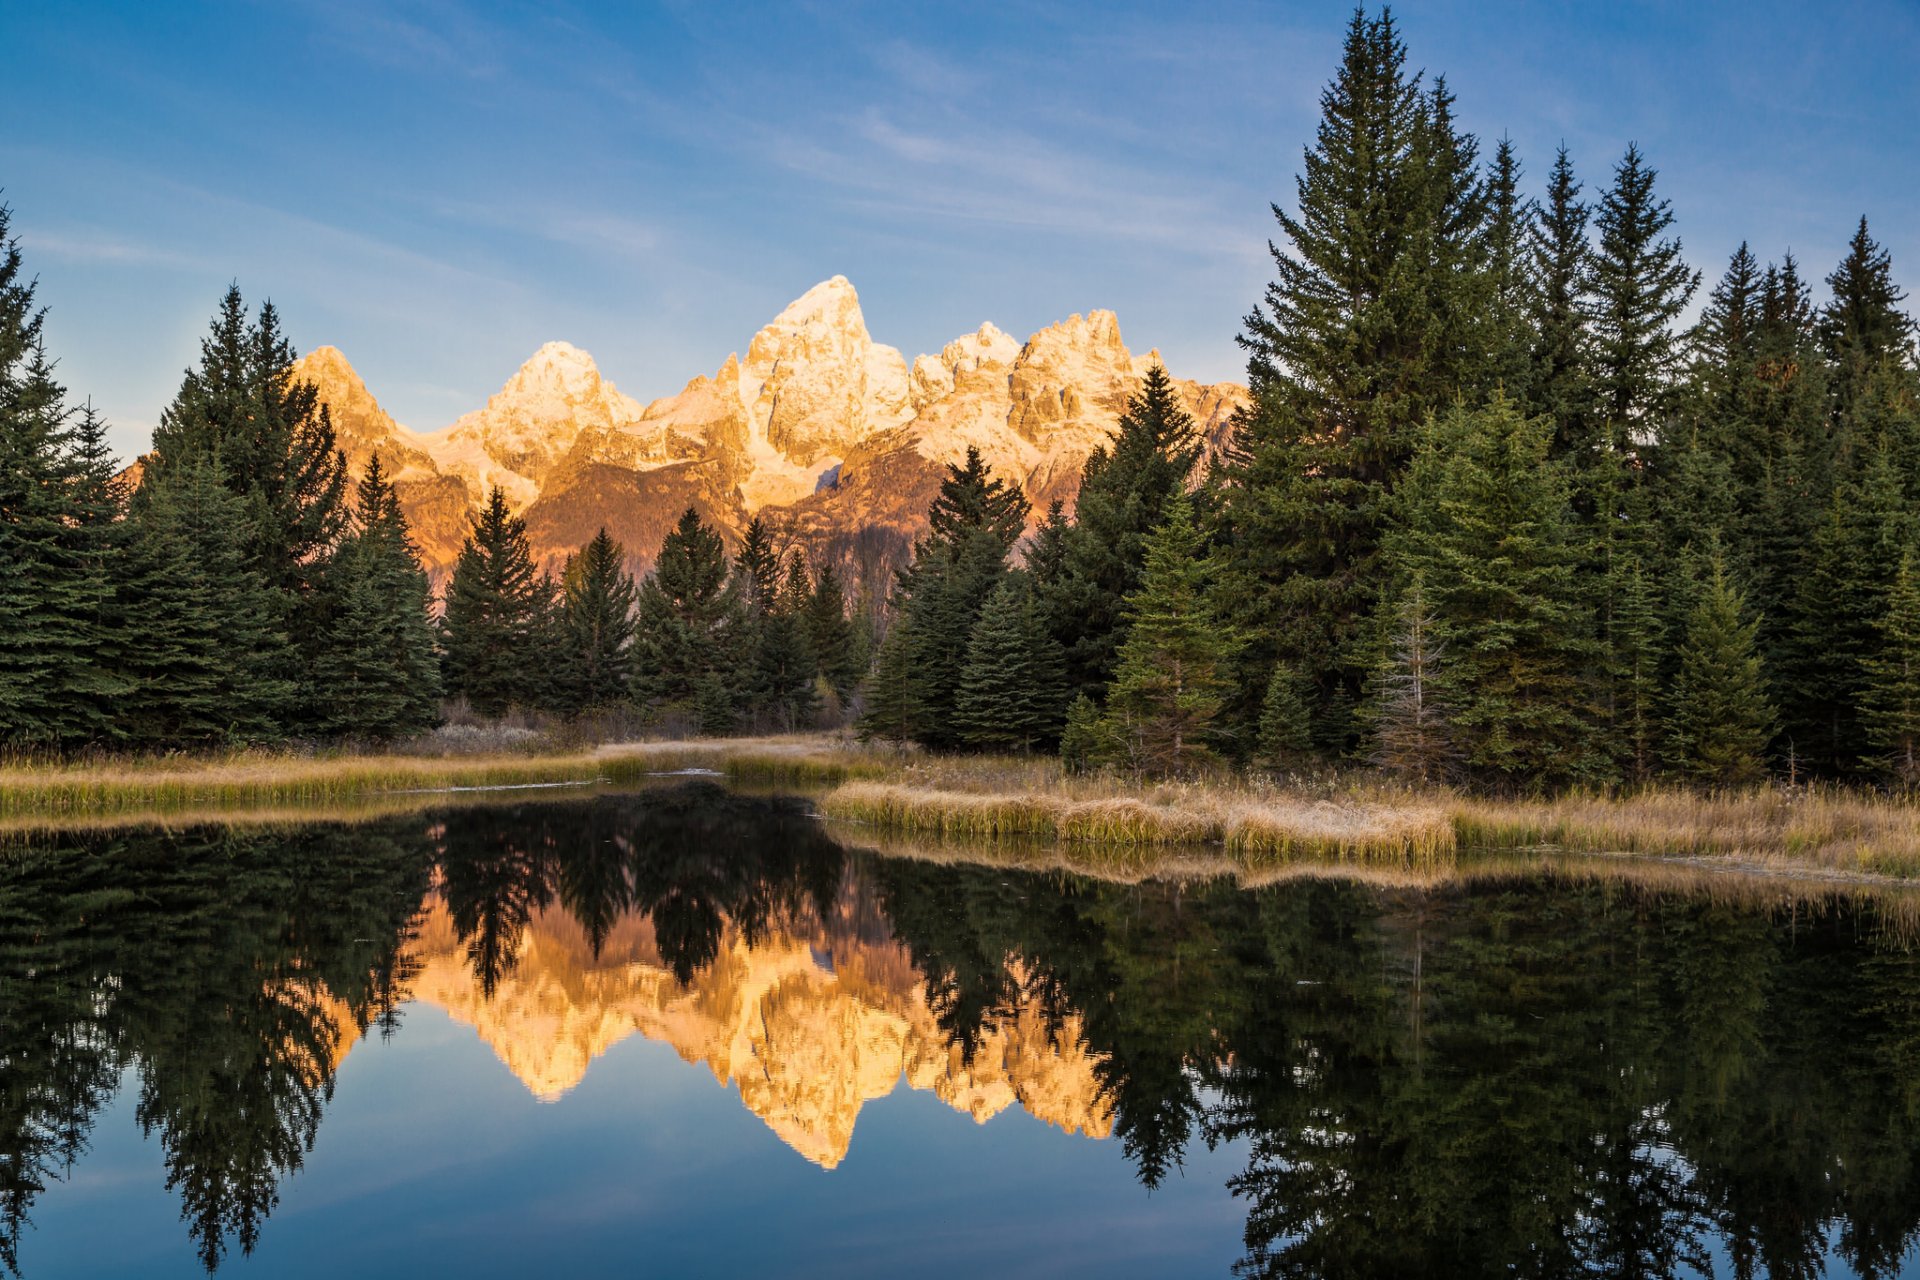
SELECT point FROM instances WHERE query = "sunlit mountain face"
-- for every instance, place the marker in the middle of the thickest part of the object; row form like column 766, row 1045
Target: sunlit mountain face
column 1546, row 1074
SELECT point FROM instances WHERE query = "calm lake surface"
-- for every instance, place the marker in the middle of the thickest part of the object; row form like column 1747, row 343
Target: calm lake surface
column 691, row 1032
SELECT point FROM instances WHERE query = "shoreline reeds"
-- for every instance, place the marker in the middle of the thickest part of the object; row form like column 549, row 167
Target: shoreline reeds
column 1106, row 819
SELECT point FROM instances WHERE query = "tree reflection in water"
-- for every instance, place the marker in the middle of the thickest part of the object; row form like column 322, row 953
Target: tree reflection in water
column 1527, row 1076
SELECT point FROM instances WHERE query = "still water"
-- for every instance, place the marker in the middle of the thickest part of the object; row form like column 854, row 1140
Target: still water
column 690, row 1032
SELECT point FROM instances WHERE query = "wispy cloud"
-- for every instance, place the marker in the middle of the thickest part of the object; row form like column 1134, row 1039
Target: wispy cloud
column 80, row 244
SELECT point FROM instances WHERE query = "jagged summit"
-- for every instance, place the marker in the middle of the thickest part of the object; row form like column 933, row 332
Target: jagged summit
column 831, row 436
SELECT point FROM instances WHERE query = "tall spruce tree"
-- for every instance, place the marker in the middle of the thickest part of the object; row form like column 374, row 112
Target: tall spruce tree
column 208, row 664
column 497, row 621
column 276, row 445
column 1891, row 702
column 1639, row 285
column 59, row 540
column 973, row 524
column 1012, row 694
column 784, row 667
column 1560, row 384
column 375, row 673
column 1124, row 489
column 692, row 633
column 1372, row 322
column 1834, row 632
column 1863, row 327
column 1173, row 679
column 597, row 601
column 1500, row 560
column 1636, row 657
column 1720, row 721
column 830, row 633
column 1511, row 219
column 757, row 566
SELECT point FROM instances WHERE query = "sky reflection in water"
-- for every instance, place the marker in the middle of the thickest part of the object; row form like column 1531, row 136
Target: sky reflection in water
column 688, row 1032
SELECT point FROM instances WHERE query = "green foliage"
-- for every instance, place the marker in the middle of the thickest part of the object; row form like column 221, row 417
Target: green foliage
column 1412, row 736
column 497, row 625
column 830, row 633
column 1890, row 704
column 785, row 668
column 1286, row 721
column 1559, row 385
column 375, row 673
column 207, row 666
column 60, row 543
column 596, row 622
column 1636, row 653
column 1720, row 721
column 1124, row 489
column 1640, row 285
column 1376, row 318
column 973, row 523
column 692, row 631
column 1863, row 327
column 1498, row 553
column 1087, row 738
column 1012, row 694
column 1173, row 681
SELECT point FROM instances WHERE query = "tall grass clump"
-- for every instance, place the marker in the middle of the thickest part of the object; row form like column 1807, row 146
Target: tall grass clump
column 1250, row 827
column 1824, row 827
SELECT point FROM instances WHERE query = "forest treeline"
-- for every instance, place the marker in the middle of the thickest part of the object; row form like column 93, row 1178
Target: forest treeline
column 1494, row 516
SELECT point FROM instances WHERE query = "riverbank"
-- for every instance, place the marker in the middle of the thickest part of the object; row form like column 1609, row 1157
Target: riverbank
column 1245, row 826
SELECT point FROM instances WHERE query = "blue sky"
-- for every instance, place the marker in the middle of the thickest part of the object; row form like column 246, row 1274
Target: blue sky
column 440, row 188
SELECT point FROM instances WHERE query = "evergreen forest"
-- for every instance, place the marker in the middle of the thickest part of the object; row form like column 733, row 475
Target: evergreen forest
column 1523, row 500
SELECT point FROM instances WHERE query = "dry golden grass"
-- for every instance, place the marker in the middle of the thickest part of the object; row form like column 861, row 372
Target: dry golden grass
column 1252, row 826
column 1828, row 828
column 251, row 784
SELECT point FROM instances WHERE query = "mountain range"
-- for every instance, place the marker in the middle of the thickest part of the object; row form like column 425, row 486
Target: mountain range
column 838, row 442
column 808, row 1021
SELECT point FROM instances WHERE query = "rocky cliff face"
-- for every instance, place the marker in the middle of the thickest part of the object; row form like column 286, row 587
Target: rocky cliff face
column 837, row 440
column 809, row 1023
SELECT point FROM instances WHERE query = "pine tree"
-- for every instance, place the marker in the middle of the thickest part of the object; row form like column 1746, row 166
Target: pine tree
column 1838, row 602
column 1012, row 694
column 207, row 666
column 1640, row 285
column 830, row 633
column 1374, row 320
column 1890, row 711
column 276, row 446
column 1864, row 326
column 1720, row 721
column 1124, row 489
column 692, row 636
column 1560, row 384
column 597, row 601
column 375, row 673
column 974, row 522
column 1636, row 651
column 1411, row 735
column 785, row 669
column 1173, row 679
column 496, row 622
column 59, row 540
column 1087, row 740
column 1500, row 564
column 1511, row 220
column 757, row 566
column 1286, row 721
column 891, row 710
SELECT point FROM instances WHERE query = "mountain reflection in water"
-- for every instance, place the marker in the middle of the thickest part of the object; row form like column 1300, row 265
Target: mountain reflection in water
column 1528, row 1075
